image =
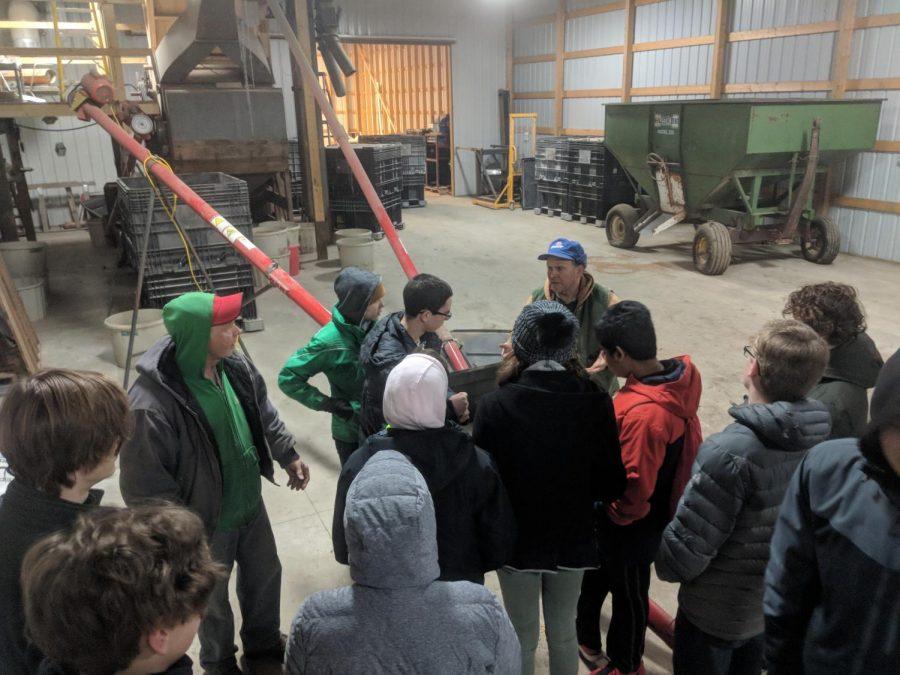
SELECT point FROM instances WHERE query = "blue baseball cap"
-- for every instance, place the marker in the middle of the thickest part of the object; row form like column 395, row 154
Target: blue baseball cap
column 567, row 249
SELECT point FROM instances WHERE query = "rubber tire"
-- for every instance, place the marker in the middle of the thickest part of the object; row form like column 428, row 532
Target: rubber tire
column 624, row 236
column 826, row 253
column 715, row 237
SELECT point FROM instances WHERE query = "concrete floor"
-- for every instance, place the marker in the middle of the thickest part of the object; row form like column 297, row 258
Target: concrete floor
column 489, row 257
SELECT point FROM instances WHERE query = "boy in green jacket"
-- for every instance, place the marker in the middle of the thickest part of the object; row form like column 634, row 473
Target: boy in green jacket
column 334, row 350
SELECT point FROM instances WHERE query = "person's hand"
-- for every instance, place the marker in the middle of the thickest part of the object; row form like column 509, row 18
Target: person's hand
column 341, row 408
column 597, row 366
column 298, row 475
column 443, row 334
column 506, row 349
column 460, row 403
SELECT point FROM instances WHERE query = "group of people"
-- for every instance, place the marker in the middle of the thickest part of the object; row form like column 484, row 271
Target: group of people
column 581, row 471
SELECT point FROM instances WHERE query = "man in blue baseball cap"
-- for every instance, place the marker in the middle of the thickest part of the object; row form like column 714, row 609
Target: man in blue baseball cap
column 568, row 283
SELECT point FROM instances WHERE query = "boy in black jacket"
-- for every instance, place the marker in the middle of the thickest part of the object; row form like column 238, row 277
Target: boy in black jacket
column 60, row 431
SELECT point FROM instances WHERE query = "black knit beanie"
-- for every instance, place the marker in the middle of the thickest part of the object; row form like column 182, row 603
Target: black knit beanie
column 545, row 330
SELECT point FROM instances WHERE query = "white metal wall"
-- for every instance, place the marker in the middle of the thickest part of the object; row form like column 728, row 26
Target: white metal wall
column 875, row 54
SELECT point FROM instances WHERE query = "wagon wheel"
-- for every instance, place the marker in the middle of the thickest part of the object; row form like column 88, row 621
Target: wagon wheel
column 712, row 248
column 620, row 226
column 820, row 241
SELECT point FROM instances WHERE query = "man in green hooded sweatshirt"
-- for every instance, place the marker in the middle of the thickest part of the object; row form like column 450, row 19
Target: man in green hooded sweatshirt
column 334, row 350
column 205, row 434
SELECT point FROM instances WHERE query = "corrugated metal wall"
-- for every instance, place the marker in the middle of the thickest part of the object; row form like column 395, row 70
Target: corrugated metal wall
column 875, row 54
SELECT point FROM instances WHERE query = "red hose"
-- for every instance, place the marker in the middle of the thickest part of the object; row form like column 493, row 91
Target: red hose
column 662, row 624
column 279, row 277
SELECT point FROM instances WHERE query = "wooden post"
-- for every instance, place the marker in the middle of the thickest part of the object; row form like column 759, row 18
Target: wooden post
column 717, row 75
column 8, row 229
column 628, row 58
column 111, row 42
column 843, row 47
column 510, row 50
column 309, row 132
column 19, row 182
column 559, row 79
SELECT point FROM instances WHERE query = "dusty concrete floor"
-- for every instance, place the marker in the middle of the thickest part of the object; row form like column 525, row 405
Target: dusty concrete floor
column 489, row 257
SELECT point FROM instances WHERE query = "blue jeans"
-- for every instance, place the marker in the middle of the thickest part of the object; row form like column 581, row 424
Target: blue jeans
column 699, row 653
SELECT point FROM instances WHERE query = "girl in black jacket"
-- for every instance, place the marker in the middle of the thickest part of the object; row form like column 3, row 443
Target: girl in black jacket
column 553, row 435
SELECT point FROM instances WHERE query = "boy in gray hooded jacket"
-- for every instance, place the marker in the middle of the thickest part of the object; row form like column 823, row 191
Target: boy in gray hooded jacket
column 396, row 617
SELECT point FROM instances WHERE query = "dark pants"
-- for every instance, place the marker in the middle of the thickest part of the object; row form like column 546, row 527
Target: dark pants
column 252, row 547
column 629, row 586
column 699, row 652
column 344, row 450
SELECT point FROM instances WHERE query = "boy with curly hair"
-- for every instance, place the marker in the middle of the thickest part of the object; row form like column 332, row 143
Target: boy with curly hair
column 833, row 310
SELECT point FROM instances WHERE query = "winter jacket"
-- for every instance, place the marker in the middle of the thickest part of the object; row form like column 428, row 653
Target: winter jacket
column 717, row 546
column 26, row 516
column 396, row 618
column 383, row 348
column 852, row 369
column 588, row 307
column 553, row 436
column 172, row 453
column 475, row 523
column 183, row 666
column 832, row 592
column 334, row 350
column 660, row 434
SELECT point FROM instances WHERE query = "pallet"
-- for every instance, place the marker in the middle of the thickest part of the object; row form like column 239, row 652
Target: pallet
column 414, row 203
column 553, row 213
column 438, row 189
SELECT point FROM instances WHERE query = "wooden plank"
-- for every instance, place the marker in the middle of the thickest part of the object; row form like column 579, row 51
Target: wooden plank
column 841, row 58
column 510, row 49
column 867, row 204
column 534, row 21
column 537, row 58
column 449, row 76
column 65, row 52
column 593, row 93
column 887, row 146
column 150, row 23
column 533, row 94
column 673, row 44
column 560, row 72
column 598, row 51
column 784, row 31
column 597, row 9
column 547, row 131
column 877, row 21
column 17, row 319
column 584, row 132
column 717, row 72
column 628, row 60
column 767, row 87
column 670, row 91
column 111, row 41
column 55, row 109
column 873, row 83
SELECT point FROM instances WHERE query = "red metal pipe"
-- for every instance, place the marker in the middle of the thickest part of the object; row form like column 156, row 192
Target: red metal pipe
column 454, row 353
column 277, row 276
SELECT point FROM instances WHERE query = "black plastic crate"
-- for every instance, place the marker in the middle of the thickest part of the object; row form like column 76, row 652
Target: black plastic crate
column 365, row 219
column 219, row 190
column 413, row 195
column 160, row 287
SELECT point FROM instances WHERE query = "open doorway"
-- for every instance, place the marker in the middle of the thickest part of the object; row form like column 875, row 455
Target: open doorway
column 398, row 89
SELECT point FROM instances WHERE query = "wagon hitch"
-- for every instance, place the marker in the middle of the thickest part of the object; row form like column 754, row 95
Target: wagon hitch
column 802, row 195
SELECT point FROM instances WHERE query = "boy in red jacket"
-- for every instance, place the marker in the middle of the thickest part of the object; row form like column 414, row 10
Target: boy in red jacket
column 659, row 432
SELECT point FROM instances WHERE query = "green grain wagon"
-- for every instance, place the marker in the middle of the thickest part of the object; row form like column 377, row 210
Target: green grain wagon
column 740, row 171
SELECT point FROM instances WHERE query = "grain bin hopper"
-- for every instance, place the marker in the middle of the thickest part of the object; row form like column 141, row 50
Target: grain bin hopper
column 740, row 171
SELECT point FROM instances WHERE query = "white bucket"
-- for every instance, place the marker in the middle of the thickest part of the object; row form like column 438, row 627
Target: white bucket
column 357, row 253
column 33, row 291
column 360, row 233
column 98, row 235
column 25, row 258
column 272, row 238
column 149, row 329
column 307, row 239
column 259, row 279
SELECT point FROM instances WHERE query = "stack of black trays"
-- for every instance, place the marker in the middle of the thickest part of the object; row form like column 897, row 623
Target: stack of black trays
column 296, row 168
column 382, row 164
column 167, row 273
column 551, row 173
column 412, row 160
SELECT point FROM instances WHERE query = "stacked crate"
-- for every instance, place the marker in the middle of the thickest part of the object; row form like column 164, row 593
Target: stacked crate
column 551, row 176
column 167, row 273
column 295, row 165
column 412, row 160
column 382, row 164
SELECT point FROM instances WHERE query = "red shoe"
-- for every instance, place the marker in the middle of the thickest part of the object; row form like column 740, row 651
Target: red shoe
column 612, row 670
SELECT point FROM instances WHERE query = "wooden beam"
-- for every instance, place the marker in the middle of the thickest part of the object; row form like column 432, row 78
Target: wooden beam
column 597, row 9
column 535, row 21
column 841, row 59
column 717, row 74
column 560, row 72
column 111, row 42
column 533, row 94
column 887, row 146
column 510, row 50
column 65, row 52
column 628, row 60
column 784, row 31
column 584, row 132
column 874, row 83
column 673, row 44
column 867, row 204
column 593, row 93
column 767, row 87
column 674, row 90
column 150, row 21
column 56, row 109
column 599, row 51
column 547, row 131
column 877, row 21
column 538, row 58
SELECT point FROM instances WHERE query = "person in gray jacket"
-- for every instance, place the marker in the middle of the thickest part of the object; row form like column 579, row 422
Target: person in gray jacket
column 717, row 546
column 396, row 618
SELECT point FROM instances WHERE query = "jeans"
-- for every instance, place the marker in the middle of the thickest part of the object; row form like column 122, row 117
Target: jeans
column 699, row 652
column 252, row 547
column 523, row 595
column 344, row 450
column 630, row 587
